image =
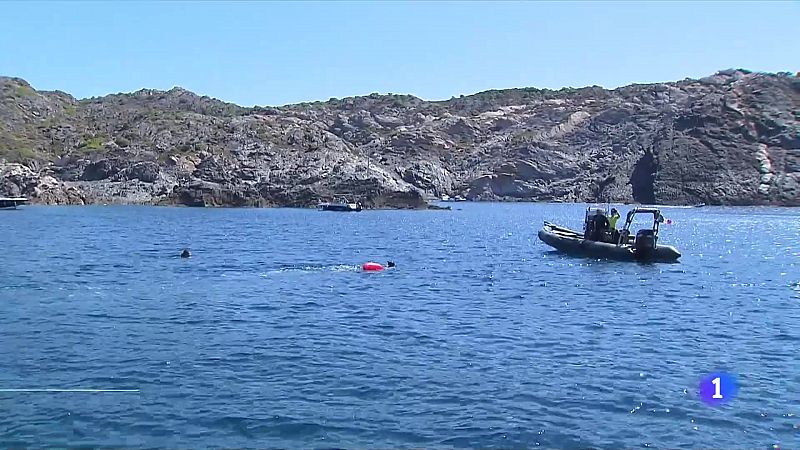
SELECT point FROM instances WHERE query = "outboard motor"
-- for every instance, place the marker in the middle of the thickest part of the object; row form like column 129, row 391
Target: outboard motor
column 645, row 244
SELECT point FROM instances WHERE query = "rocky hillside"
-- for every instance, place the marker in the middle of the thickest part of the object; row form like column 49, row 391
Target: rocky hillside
column 731, row 138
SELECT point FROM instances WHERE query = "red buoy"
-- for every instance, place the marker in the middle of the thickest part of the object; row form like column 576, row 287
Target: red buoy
column 372, row 267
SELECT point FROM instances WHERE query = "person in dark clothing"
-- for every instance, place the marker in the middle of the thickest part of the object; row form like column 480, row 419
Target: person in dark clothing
column 600, row 227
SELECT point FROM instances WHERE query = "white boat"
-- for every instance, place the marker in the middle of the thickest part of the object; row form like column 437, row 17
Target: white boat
column 341, row 205
column 12, row 202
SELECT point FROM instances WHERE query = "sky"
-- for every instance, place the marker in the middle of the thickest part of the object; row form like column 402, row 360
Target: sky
column 274, row 53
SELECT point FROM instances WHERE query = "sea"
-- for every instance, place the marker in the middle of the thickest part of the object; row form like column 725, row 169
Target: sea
column 271, row 335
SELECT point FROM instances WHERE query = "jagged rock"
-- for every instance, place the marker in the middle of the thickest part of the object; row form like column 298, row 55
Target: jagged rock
column 100, row 170
column 144, row 171
column 18, row 180
column 363, row 119
column 182, row 165
column 430, row 177
column 387, row 121
column 205, row 194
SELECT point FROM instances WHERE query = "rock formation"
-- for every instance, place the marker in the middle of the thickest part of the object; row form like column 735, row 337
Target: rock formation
column 732, row 138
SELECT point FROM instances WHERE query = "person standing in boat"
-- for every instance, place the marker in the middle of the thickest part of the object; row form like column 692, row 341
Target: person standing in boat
column 612, row 221
column 612, row 224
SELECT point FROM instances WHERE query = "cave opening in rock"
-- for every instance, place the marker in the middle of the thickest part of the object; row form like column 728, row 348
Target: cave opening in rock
column 643, row 179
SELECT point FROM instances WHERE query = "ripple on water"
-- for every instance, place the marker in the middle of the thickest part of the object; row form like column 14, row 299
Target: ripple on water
column 271, row 336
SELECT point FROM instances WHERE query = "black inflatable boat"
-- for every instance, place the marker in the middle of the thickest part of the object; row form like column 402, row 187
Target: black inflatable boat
column 611, row 244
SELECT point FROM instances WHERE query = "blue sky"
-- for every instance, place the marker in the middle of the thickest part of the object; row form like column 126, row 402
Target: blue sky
column 273, row 53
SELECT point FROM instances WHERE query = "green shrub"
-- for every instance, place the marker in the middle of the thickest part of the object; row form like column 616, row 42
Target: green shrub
column 24, row 91
column 19, row 154
column 93, row 143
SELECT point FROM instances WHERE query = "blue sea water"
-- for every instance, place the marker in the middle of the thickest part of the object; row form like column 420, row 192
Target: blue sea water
column 271, row 336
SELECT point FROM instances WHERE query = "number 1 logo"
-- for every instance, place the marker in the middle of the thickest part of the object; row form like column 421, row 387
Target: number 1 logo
column 716, row 382
column 718, row 388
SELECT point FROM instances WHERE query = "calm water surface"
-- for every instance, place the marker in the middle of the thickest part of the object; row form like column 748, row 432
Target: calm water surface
column 270, row 336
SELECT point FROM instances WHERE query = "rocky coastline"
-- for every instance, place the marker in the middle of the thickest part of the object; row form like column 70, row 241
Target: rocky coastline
column 732, row 138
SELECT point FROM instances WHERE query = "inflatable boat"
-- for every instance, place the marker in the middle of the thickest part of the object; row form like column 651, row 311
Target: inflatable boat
column 611, row 244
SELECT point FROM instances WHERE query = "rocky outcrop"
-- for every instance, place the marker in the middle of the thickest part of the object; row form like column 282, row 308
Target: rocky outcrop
column 17, row 180
column 204, row 193
column 731, row 138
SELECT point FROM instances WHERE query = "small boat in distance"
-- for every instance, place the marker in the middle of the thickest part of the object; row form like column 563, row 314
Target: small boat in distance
column 12, row 202
column 341, row 205
column 457, row 198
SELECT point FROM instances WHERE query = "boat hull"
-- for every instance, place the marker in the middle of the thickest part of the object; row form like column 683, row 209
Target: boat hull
column 340, row 208
column 570, row 242
column 11, row 203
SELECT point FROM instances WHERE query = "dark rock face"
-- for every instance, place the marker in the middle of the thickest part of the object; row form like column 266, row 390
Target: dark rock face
column 100, row 170
column 213, row 194
column 731, row 138
column 643, row 179
column 144, row 171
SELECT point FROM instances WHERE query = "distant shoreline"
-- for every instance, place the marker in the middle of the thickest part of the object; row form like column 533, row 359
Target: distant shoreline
column 432, row 206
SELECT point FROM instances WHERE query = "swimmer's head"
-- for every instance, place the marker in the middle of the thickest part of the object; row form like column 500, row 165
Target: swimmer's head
column 186, row 253
column 390, row 264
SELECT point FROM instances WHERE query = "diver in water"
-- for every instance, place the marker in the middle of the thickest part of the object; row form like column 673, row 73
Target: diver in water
column 186, row 253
